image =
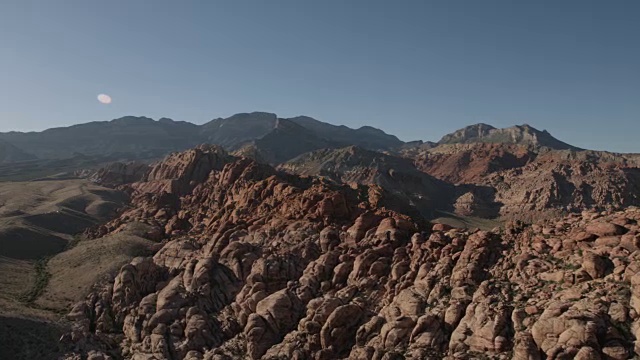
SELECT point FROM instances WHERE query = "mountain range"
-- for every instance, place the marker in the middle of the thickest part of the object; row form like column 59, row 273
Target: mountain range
column 479, row 171
column 275, row 139
column 143, row 138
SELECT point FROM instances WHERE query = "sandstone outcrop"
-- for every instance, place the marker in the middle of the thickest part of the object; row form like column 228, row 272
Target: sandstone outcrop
column 258, row 264
column 526, row 183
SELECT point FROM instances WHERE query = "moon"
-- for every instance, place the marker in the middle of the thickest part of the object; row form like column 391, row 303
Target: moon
column 104, row 98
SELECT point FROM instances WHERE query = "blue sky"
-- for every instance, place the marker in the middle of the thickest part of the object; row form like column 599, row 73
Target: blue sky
column 416, row 69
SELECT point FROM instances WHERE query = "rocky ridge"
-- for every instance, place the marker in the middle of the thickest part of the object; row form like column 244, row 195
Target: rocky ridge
column 262, row 265
column 519, row 134
column 526, row 183
column 355, row 165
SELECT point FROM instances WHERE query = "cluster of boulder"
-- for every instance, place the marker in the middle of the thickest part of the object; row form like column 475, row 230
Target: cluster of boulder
column 257, row 264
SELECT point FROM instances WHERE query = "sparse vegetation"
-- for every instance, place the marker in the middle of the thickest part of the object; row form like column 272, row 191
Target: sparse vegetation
column 74, row 241
column 40, row 282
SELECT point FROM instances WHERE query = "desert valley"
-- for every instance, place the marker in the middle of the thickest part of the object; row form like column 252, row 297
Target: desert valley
column 259, row 237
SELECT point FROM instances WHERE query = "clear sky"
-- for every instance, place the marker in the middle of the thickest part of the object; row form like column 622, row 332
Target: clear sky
column 414, row 68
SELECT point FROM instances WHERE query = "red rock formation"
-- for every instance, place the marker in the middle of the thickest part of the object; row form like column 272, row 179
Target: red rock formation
column 261, row 265
column 471, row 163
column 527, row 183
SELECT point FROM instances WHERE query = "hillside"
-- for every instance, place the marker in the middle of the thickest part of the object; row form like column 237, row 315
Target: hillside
column 10, row 154
column 286, row 141
column 238, row 129
column 45, row 264
column 366, row 137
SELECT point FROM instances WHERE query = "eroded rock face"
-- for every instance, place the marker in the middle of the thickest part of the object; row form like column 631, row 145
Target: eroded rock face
column 260, row 265
column 523, row 182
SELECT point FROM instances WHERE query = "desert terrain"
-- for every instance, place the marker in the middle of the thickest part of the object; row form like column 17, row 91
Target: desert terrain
column 348, row 244
column 44, row 264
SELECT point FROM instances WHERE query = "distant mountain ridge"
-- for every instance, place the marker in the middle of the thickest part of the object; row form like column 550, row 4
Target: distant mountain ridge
column 131, row 136
column 261, row 135
column 519, row 134
column 366, row 136
column 286, row 141
column 141, row 137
